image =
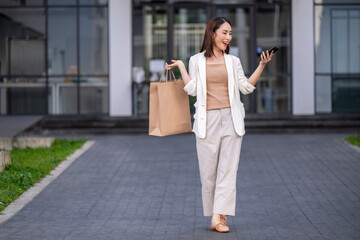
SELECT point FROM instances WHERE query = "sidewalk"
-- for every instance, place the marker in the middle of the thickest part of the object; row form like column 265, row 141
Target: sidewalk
column 290, row 186
column 10, row 126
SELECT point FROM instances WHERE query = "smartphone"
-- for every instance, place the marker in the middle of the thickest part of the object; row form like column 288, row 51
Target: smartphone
column 274, row 49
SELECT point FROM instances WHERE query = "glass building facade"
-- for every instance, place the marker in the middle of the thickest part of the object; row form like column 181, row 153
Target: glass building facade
column 54, row 57
column 165, row 30
column 337, row 56
column 98, row 57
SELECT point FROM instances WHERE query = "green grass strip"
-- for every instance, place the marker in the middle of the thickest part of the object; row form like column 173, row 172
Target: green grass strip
column 30, row 165
column 354, row 140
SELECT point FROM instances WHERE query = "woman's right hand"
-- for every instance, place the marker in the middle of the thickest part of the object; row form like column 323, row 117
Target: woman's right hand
column 176, row 63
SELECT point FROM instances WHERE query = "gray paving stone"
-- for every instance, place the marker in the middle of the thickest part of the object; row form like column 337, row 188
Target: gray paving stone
column 290, row 186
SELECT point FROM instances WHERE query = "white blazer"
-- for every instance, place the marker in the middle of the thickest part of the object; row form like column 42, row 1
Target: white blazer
column 237, row 81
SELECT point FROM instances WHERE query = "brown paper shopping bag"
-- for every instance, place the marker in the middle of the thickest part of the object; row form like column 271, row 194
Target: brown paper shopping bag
column 169, row 110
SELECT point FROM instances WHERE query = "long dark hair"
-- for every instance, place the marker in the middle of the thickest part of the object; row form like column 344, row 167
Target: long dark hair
column 208, row 42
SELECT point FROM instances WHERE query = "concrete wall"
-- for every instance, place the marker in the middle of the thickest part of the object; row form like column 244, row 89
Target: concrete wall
column 303, row 57
column 120, row 54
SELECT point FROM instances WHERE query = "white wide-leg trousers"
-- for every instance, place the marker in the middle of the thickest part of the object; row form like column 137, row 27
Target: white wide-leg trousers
column 218, row 155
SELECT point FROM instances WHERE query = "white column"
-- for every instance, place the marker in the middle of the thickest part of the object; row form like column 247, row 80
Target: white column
column 120, row 57
column 303, row 65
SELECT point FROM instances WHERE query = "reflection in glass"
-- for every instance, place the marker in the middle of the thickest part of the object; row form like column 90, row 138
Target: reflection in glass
column 273, row 29
column 336, row 1
column 149, row 50
column 337, row 63
column 272, row 94
column 26, row 56
column 22, row 41
column 249, row 1
column 62, row 2
column 93, row 2
column 94, row 95
column 232, row 2
column 23, row 95
column 62, row 53
column 21, row 3
column 62, row 96
column 150, row 36
column 189, row 28
column 67, row 98
column 194, row 1
column 22, row 52
column 93, row 40
column 322, row 40
column 149, row 1
column 346, row 93
column 345, row 40
column 323, row 94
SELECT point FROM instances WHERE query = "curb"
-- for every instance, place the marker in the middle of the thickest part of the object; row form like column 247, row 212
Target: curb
column 356, row 148
column 28, row 195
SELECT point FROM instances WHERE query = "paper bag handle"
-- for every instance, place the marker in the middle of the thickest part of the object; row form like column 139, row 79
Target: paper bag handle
column 166, row 76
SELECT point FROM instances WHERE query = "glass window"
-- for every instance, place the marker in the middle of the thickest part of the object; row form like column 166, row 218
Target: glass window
column 62, row 50
column 336, row 1
column 322, row 40
column 149, row 1
column 93, row 2
column 21, row 3
column 189, row 28
column 337, row 63
column 23, row 95
column 346, row 93
column 273, row 30
column 232, row 2
column 188, row 1
column 93, row 40
column 23, row 66
column 62, row 96
column 94, row 95
column 22, row 41
column 26, row 56
column 323, row 94
column 249, row 1
column 149, row 52
column 62, row 2
column 345, row 41
column 337, row 35
column 66, row 96
column 22, row 53
column 273, row 94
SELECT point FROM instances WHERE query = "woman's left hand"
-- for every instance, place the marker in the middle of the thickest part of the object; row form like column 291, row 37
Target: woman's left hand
column 265, row 58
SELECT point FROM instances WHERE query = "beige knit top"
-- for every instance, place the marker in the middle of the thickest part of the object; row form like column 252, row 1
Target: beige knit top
column 216, row 86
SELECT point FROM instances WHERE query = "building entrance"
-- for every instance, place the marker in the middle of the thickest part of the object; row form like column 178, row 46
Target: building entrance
column 174, row 30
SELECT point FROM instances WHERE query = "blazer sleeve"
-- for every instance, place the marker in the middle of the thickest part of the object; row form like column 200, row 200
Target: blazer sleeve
column 242, row 81
column 190, row 87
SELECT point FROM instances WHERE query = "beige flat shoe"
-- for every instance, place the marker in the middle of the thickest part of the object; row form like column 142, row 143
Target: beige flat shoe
column 223, row 219
column 220, row 227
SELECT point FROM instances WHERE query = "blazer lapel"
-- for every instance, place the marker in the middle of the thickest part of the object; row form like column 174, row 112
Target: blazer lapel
column 230, row 70
column 202, row 71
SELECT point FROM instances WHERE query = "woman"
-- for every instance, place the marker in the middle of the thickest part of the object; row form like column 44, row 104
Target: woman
column 216, row 79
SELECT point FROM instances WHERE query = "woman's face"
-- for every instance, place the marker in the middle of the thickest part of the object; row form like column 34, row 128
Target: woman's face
column 222, row 37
